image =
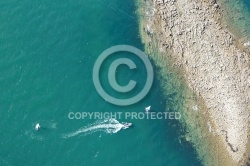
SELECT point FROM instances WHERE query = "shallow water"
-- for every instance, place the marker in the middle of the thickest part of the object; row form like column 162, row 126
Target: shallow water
column 237, row 16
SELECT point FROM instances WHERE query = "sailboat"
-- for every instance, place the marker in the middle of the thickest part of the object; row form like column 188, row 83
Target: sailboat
column 37, row 127
column 147, row 109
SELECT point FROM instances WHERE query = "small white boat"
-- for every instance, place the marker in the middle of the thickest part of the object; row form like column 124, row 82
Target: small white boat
column 37, row 127
column 126, row 125
column 147, row 109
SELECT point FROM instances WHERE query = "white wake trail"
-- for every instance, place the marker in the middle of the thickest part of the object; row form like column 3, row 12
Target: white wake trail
column 108, row 126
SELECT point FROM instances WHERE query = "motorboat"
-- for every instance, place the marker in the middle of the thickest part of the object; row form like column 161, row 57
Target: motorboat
column 126, row 125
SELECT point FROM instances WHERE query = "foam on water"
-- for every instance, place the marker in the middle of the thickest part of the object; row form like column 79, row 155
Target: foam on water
column 107, row 125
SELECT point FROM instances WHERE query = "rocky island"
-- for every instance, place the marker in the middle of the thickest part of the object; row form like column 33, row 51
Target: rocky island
column 215, row 65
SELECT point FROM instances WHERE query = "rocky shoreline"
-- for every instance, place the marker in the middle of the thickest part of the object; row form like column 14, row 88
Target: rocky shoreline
column 216, row 65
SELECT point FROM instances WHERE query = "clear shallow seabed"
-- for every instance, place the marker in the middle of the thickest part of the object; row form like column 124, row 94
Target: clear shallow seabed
column 237, row 16
column 48, row 50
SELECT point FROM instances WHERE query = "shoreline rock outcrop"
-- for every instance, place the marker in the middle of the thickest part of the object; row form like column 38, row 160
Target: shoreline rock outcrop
column 215, row 67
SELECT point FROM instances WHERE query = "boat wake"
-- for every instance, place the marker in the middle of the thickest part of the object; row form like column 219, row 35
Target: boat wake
column 108, row 126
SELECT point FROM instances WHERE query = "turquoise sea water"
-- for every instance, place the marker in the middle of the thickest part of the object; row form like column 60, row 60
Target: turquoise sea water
column 48, row 49
column 237, row 16
column 247, row 3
